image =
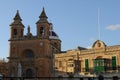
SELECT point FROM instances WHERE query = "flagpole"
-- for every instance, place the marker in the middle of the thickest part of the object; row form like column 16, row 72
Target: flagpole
column 99, row 24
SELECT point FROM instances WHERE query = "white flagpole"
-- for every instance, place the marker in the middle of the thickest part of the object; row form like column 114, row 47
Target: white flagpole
column 98, row 23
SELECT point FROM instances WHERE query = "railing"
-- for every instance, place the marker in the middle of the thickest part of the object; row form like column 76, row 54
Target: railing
column 108, row 70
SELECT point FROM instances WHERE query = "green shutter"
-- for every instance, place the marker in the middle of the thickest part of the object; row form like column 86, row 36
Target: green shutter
column 102, row 68
column 95, row 65
column 99, row 65
column 114, row 66
column 86, row 65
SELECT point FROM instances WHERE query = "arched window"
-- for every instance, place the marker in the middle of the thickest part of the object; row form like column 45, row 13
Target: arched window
column 29, row 54
column 41, row 31
column 29, row 73
column 15, row 31
column 99, row 44
column 55, row 45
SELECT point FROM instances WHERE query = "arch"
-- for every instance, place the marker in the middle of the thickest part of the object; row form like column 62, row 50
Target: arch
column 28, row 53
column 29, row 72
column 41, row 30
column 99, row 57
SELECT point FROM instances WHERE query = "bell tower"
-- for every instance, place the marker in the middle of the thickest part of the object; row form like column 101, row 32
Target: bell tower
column 16, row 36
column 17, row 28
column 43, row 26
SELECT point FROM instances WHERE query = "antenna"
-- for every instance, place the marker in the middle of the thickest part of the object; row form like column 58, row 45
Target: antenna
column 98, row 23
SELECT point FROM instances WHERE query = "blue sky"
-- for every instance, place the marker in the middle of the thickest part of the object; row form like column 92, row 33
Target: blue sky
column 75, row 21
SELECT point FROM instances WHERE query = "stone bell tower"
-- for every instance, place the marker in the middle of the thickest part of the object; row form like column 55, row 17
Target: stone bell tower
column 33, row 52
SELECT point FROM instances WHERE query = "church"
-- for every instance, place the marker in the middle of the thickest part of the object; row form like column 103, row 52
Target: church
column 32, row 55
column 40, row 55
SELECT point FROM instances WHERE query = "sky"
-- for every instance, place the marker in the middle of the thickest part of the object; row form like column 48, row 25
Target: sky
column 75, row 21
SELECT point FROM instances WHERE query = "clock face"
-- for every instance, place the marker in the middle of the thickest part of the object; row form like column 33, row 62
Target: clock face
column 41, row 43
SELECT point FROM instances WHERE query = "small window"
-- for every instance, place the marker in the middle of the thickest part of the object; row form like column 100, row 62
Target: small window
column 99, row 44
column 41, row 31
column 60, row 63
column 55, row 45
column 15, row 31
column 29, row 54
column 86, row 65
column 114, row 65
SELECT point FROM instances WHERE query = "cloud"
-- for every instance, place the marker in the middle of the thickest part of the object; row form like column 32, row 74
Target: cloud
column 113, row 27
column 91, row 39
column 89, row 47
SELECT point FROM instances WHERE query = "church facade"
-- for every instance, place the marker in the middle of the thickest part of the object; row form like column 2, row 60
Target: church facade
column 32, row 56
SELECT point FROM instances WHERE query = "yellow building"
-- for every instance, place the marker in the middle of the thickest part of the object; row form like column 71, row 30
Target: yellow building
column 99, row 60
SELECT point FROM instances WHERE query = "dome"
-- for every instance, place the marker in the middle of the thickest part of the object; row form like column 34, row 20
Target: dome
column 53, row 35
column 99, row 44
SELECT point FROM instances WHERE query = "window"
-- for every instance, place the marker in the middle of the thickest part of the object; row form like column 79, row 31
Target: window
column 15, row 31
column 29, row 54
column 99, row 44
column 41, row 31
column 70, row 65
column 99, row 65
column 55, row 45
column 60, row 63
column 86, row 65
column 114, row 66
